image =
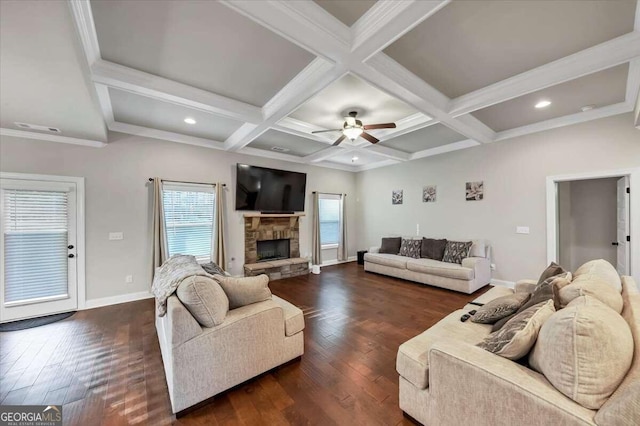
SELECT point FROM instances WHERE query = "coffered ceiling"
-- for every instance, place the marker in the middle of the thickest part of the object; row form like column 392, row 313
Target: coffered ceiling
column 259, row 77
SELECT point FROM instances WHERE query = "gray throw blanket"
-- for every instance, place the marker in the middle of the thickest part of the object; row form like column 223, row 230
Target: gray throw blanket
column 170, row 275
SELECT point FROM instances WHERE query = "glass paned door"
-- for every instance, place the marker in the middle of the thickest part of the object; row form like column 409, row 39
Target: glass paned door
column 38, row 223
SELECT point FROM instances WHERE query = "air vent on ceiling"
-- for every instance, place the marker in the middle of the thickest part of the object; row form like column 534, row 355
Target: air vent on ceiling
column 279, row 149
column 39, row 128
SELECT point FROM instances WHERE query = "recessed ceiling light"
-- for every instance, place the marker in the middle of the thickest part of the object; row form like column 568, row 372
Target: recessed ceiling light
column 543, row 104
column 587, row 108
column 189, row 120
column 354, row 159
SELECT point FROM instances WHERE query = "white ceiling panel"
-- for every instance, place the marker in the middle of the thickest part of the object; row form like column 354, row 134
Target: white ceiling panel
column 43, row 79
column 327, row 109
column 346, row 11
column 200, row 43
column 294, row 144
column 600, row 89
column 363, row 158
column 142, row 111
column 471, row 44
column 425, row 138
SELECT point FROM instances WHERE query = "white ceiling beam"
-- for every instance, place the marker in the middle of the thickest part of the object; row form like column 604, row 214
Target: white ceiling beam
column 633, row 81
column 580, row 117
column 315, row 77
column 605, row 55
column 105, row 103
column 86, row 28
column 406, row 125
column 391, row 77
column 247, row 150
column 387, row 21
column 326, row 153
column 456, row 146
column 302, row 22
column 51, row 138
column 387, row 152
column 302, row 129
column 147, row 132
column 152, row 86
column 376, row 165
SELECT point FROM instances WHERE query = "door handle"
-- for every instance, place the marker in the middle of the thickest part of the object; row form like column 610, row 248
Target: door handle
column 72, row 255
column 615, row 243
column 70, row 246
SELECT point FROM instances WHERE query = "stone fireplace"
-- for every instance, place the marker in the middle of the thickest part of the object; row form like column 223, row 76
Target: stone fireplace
column 272, row 245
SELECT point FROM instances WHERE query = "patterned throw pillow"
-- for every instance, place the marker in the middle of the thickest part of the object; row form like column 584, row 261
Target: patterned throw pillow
column 519, row 334
column 410, row 248
column 456, row 251
column 499, row 308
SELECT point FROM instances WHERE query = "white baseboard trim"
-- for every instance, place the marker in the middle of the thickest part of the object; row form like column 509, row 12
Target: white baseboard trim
column 114, row 300
column 337, row 262
column 503, row 283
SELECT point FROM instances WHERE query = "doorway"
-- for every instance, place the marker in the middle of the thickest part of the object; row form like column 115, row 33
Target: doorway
column 594, row 216
column 42, row 233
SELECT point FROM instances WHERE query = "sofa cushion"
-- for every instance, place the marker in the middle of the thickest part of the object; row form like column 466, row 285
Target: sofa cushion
column 594, row 287
column 244, row 290
column 442, row 269
column 499, row 308
column 392, row 260
column 432, row 249
column 390, row 245
column 205, row 299
column 410, row 248
column 455, row 251
column 601, row 270
column 412, row 361
column 293, row 317
column 585, row 351
column 516, row 338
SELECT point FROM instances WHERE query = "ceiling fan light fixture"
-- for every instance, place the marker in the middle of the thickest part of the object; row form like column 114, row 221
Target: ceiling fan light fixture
column 352, row 132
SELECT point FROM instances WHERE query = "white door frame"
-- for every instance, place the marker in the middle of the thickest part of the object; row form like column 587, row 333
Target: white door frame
column 80, row 223
column 634, row 212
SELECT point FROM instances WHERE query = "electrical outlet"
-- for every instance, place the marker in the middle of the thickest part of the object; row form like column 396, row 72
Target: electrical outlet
column 493, row 266
column 128, row 279
column 116, row 236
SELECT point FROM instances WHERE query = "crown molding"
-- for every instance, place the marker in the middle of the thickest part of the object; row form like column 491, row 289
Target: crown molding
column 456, row 146
column 597, row 58
column 86, row 28
column 633, row 81
column 248, row 150
column 104, row 99
column 51, row 138
column 377, row 165
column 132, row 129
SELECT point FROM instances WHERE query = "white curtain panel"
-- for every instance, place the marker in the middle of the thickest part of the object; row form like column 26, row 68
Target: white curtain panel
column 316, row 251
column 159, row 248
column 342, row 244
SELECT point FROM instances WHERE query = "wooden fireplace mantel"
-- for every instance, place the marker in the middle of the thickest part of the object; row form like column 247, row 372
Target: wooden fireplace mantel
column 255, row 218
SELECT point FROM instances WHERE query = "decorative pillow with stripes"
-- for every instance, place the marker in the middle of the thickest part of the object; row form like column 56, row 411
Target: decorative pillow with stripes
column 455, row 251
column 410, row 248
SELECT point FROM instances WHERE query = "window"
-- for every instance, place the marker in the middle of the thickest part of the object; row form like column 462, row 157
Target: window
column 329, row 207
column 189, row 219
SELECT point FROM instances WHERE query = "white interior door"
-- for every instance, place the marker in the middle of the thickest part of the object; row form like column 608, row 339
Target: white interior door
column 38, row 240
column 623, row 227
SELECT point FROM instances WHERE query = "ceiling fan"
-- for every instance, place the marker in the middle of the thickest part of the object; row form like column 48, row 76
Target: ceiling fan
column 352, row 128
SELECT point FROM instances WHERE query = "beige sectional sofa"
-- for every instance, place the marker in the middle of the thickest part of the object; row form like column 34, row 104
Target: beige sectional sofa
column 446, row 380
column 472, row 274
column 201, row 362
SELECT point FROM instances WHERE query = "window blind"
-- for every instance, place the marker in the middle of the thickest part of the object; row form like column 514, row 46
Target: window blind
column 329, row 220
column 35, row 244
column 189, row 218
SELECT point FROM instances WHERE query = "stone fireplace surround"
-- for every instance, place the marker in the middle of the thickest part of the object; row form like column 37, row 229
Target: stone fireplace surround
column 269, row 227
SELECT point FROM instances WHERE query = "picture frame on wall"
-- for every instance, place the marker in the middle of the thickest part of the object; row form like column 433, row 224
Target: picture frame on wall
column 396, row 196
column 429, row 193
column 474, row 191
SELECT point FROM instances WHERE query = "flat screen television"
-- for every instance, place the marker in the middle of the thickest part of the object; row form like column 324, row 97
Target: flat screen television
column 269, row 190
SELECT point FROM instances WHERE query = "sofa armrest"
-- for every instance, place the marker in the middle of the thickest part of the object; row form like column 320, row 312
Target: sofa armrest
column 374, row 249
column 481, row 267
column 179, row 323
column 467, row 382
column 525, row 286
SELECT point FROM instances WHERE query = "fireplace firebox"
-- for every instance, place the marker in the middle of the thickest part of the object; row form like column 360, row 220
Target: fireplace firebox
column 272, row 250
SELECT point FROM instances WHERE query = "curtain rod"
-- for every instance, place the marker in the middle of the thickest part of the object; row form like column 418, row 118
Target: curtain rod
column 185, row 181
column 328, row 193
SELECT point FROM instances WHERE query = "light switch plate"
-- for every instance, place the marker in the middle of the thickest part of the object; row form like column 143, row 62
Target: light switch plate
column 522, row 230
column 116, row 236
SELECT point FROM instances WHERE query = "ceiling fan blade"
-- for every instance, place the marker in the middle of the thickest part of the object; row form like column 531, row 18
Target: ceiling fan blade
column 380, row 126
column 351, row 121
column 339, row 141
column 323, row 131
column 368, row 137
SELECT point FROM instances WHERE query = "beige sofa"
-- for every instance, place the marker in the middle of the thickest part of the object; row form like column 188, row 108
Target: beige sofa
column 202, row 362
column 472, row 274
column 446, row 380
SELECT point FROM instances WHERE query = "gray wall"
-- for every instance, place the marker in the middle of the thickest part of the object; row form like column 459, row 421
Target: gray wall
column 514, row 174
column 118, row 197
column 587, row 221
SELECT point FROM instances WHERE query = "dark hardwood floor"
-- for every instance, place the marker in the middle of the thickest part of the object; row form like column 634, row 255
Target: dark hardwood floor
column 104, row 364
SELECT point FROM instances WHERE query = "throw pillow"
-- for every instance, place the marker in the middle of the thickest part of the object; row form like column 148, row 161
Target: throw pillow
column 432, row 249
column 390, row 245
column 499, row 308
column 213, row 268
column 594, row 287
column 245, row 290
column 455, row 251
column 602, row 270
column 205, row 299
column 551, row 271
column 410, row 248
column 478, row 249
column 519, row 334
column 585, row 351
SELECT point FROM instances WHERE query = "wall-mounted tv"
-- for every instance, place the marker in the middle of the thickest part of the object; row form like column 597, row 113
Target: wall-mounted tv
column 269, row 190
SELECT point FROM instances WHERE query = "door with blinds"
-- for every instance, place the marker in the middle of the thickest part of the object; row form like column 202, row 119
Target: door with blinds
column 38, row 240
